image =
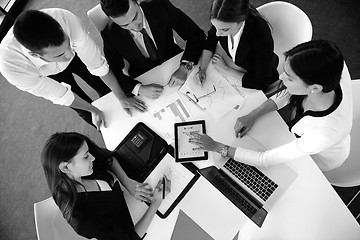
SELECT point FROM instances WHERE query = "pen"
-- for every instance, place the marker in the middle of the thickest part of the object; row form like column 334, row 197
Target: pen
column 163, row 181
column 200, row 77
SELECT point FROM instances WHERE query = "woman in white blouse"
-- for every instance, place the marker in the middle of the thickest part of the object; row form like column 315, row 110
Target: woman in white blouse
column 319, row 97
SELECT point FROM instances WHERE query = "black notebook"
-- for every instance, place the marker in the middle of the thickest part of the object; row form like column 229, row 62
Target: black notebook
column 140, row 151
column 142, row 155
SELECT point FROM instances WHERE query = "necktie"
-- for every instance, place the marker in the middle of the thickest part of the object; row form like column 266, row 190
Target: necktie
column 150, row 46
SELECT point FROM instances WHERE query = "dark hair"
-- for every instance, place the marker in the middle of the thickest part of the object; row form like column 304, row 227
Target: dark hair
column 62, row 147
column 232, row 10
column 37, row 30
column 115, row 8
column 317, row 62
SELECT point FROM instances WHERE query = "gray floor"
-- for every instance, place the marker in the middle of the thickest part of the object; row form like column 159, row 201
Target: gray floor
column 27, row 121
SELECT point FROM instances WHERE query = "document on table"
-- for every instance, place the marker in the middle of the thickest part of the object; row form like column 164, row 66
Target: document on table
column 168, row 110
column 179, row 176
column 215, row 95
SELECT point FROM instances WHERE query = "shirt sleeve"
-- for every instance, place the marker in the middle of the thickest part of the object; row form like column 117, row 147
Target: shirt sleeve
column 211, row 40
column 87, row 50
column 271, row 157
column 67, row 99
column 26, row 77
column 312, row 142
column 136, row 89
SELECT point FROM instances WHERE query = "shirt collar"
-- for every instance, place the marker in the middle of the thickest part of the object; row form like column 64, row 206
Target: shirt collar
column 238, row 34
column 38, row 62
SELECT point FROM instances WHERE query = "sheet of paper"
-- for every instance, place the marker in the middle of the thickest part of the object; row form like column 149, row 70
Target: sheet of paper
column 176, row 173
column 167, row 111
column 216, row 95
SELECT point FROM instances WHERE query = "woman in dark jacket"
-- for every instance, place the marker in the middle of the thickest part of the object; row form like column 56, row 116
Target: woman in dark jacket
column 246, row 39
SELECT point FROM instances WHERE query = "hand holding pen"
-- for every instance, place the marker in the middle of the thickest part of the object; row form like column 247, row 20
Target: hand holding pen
column 162, row 189
column 201, row 76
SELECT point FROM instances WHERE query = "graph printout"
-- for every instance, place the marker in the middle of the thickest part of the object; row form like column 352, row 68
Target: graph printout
column 167, row 111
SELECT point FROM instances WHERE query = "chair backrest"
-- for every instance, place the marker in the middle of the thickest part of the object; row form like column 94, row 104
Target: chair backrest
column 98, row 17
column 290, row 27
column 100, row 20
column 348, row 174
column 50, row 224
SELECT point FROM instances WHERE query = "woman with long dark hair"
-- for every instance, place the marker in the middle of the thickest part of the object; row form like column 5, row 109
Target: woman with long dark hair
column 246, row 38
column 319, row 97
column 81, row 179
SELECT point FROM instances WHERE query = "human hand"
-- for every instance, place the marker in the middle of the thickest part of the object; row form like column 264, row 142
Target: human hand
column 158, row 191
column 205, row 142
column 243, row 125
column 151, row 91
column 200, row 76
column 141, row 191
column 132, row 102
column 178, row 77
column 219, row 63
column 98, row 118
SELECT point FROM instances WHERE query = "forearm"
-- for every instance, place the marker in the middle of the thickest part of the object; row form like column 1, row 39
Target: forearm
column 142, row 225
column 110, row 80
column 80, row 103
column 120, row 173
column 268, row 106
column 205, row 59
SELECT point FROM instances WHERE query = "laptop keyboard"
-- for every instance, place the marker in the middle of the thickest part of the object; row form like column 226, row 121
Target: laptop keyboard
column 254, row 179
column 234, row 196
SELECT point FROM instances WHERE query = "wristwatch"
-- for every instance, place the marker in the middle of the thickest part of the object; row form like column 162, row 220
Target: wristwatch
column 224, row 151
column 187, row 64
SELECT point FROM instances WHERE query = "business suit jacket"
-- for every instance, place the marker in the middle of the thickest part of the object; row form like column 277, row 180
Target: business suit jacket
column 255, row 53
column 163, row 18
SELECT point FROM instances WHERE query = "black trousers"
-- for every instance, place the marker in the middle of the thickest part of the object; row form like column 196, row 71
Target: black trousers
column 79, row 68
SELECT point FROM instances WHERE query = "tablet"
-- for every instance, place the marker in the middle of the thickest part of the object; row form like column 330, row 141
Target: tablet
column 185, row 151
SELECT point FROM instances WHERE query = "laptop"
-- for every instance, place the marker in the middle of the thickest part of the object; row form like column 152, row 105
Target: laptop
column 140, row 152
column 253, row 190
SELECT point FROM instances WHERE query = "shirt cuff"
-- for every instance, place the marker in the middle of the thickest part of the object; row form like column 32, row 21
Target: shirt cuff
column 67, row 99
column 102, row 70
column 136, row 89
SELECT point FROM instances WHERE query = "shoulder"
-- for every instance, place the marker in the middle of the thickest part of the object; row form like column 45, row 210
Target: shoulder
column 12, row 58
column 157, row 5
column 58, row 13
column 69, row 22
column 112, row 31
column 258, row 25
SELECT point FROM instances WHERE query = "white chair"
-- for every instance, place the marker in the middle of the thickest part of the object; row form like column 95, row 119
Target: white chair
column 290, row 27
column 50, row 224
column 348, row 174
column 98, row 17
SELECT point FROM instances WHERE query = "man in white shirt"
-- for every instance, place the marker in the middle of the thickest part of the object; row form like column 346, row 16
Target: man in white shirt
column 40, row 53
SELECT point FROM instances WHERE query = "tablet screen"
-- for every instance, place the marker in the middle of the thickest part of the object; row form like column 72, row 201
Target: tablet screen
column 185, row 151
